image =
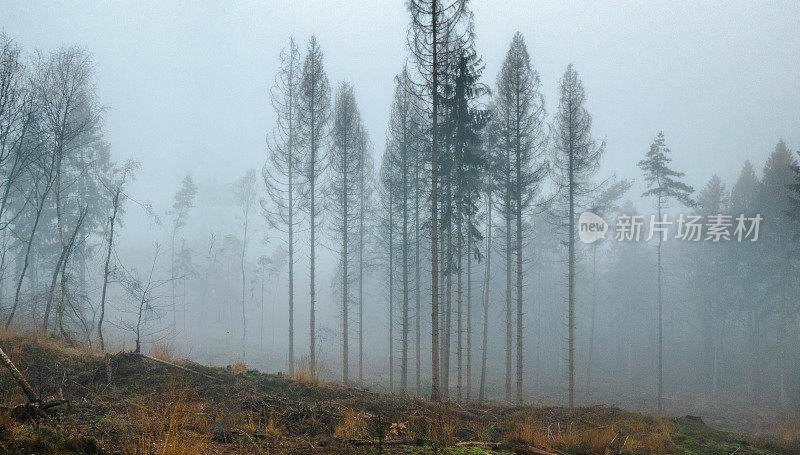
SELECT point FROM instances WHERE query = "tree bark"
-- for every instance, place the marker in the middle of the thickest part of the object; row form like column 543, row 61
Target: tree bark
column 435, row 393
column 486, row 282
column 111, row 221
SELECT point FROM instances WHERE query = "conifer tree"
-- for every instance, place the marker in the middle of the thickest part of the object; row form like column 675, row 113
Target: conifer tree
column 314, row 113
column 664, row 185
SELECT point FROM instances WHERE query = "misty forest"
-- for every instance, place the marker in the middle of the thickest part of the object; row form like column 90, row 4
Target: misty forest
column 471, row 268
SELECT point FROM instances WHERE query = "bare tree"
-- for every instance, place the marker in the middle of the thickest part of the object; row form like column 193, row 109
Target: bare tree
column 281, row 170
column 519, row 119
column 344, row 156
column 17, row 124
column 366, row 182
column 402, row 146
column 118, row 196
column 576, row 159
column 146, row 296
column 314, row 113
column 67, row 109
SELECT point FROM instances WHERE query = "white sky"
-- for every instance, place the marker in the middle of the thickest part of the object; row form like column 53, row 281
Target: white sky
column 186, row 83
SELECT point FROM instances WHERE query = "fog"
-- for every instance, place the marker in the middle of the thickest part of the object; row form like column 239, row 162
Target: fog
column 183, row 88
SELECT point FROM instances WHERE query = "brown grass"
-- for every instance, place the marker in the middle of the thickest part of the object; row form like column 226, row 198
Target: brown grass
column 790, row 430
column 171, row 423
column 163, row 351
column 614, row 434
column 351, row 426
column 239, row 368
column 440, row 426
column 304, row 375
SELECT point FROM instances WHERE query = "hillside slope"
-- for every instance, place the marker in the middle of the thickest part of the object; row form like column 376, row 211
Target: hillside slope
column 126, row 403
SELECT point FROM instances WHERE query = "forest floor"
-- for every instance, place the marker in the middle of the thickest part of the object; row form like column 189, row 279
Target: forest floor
column 126, row 403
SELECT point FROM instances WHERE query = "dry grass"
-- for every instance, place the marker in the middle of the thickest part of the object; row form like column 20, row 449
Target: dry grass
column 440, row 426
column 171, row 423
column 239, row 368
column 625, row 434
column 790, row 430
column 8, row 334
column 163, row 351
column 268, row 427
column 352, row 425
column 304, row 375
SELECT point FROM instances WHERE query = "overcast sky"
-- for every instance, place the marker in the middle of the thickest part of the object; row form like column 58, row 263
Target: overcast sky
column 186, row 83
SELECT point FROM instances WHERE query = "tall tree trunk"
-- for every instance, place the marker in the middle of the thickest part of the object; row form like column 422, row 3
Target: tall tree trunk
column 509, row 298
column 660, row 323
column 417, row 280
column 404, row 359
column 106, row 271
column 312, row 336
column 291, row 265
column 469, row 311
column 345, row 347
column 571, row 278
column 172, row 279
column 69, row 247
column 391, row 296
column 242, row 271
column 519, row 289
column 361, row 278
column 591, row 324
column 26, row 261
column 435, row 393
column 459, row 319
column 51, row 291
column 486, row 282
column 448, row 315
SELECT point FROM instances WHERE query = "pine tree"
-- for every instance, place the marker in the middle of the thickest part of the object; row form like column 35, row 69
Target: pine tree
column 281, row 172
column 607, row 202
column 664, row 184
column 519, row 120
column 776, row 202
column 434, row 27
column 466, row 164
column 366, row 182
column 314, row 113
column 576, row 159
column 182, row 205
column 345, row 158
column 402, row 149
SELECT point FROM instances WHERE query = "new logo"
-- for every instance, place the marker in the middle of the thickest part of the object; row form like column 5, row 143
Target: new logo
column 591, row 227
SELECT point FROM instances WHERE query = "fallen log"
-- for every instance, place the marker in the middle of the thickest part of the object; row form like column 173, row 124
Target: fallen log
column 182, row 368
column 529, row 450
column 34, row 408
column 32, row 398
